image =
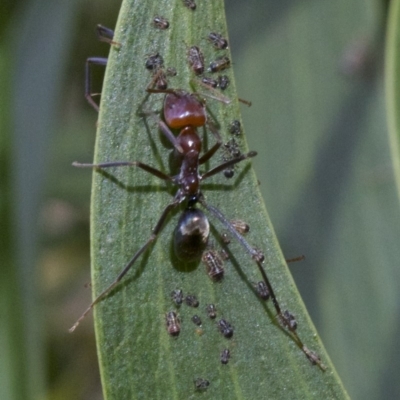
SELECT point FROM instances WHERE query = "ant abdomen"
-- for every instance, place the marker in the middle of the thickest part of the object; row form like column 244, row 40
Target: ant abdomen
column 191, row 235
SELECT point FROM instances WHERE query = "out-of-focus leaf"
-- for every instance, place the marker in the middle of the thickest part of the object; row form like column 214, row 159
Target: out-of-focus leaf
column 392, row 63
column 39, row 39
column 313, row 72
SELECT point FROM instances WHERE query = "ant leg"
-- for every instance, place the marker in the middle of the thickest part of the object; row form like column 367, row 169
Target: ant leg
column 128, row 266
column 145, row 167
column 88, row 79
column 247, row 102
column 285, row 318
column 295, row 259
column 206, row 156
column 227, row 164
column 161, row 124
column 165, row 130
column 106, row 35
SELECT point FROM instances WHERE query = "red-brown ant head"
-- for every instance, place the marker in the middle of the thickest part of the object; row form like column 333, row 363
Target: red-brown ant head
column 183, row 109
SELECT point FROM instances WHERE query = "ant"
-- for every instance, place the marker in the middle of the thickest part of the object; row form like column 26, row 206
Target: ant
column 185, row 112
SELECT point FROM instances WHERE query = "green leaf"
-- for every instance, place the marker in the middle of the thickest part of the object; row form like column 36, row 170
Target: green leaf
column 138, row 358
column 392, row 78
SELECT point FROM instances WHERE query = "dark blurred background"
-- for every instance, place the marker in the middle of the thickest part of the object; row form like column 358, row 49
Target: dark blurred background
column 313, row 70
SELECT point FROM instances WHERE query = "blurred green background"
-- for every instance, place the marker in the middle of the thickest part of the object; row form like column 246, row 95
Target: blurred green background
column 313, row 70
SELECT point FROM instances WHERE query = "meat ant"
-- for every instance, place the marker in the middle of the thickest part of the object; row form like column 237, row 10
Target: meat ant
column 185, row 112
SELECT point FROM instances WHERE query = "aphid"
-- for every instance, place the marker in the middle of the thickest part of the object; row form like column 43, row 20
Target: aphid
column 235, row 128
column 225, row 237
column 262, row 290
column 289, row 320
column 225, row 356
column 160, row 22
column 240, row 226
column 211, row 311
column 223, row 82
column 196, row 320
column 229, row 173
column 185, row 112
column 218, row 41
column 201, row 384
column 210, row 82
column 161, row 81
column 313, row 357
column 173, row 323
column 214, row 264
column 190, row 4
column 154, row 62
column 196, row 60
column 199, row 331
column 232, row 150
column 224, row 254
column 191, row 301
column 177, row 296
column 225, row 328
column 220, row 64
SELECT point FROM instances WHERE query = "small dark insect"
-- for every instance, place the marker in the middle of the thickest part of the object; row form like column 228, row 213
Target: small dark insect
column 211, row 311
column 214, row 264
column 160, row 22
column 218, row 41
column 173, row 323
column 190, row 4
column 312, row 356
column 289, row 320
column 210, row 82
column 196, row 60
column 191, row 301
column 262, row 290
column 196, row 320
column 232, row 150
column 177, row 296
column 235, row 127
column 225, row 356
column 160, row 80
column 240, row 226
column 224, row 254
column 225, row 236
column 223, row 82
column 220, row 64
column 229, row 173
column 201, row 384
column 225, row 328
column 154, row 62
